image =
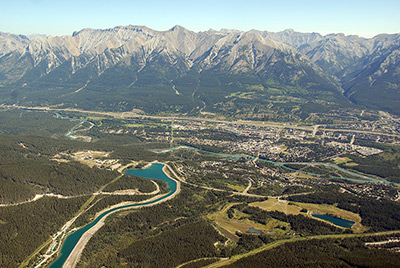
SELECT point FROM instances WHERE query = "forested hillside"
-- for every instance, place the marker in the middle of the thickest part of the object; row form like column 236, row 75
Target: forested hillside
column 181, row 71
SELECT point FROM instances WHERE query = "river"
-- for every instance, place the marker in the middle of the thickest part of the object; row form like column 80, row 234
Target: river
column 155, row 171
column 71, row 132
column 361, row 178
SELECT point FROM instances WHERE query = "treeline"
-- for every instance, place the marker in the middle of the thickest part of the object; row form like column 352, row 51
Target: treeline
column 133, row 182
column 379, row 215
column 385, row 170
column 173, row 247
column 349, row 252
column 125, row 228
column 222, row 175
column 302, row 225
column 104, row 201
column 385, row 165
column 70, row 178
column 27, row 168
column 12, row 192
column 192, row 156
column 33, row 123
column 99, row 134
column 108, row 92
column 25, row 227
column 204, row 147
column 138, row 152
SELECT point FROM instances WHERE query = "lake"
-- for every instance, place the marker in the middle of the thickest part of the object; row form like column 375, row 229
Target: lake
column 336, row 221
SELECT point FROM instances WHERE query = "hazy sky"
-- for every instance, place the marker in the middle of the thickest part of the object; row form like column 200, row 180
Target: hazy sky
column 58, row 17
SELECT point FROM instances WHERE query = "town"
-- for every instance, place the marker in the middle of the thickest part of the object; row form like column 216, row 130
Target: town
column 310, row 155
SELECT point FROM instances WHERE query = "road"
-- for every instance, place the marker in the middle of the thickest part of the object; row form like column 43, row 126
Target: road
column 39, row 196
column 247, row 188
column 74, row 256
column 200, row 259
column 244, row 193
column 54, row 245
column 224, row 262
column 100, row 192
column 127, row 115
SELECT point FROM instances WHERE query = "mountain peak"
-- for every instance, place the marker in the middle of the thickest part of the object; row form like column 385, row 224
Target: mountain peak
column 124, row 57
column 178, row 28
column 229, row 31
column 290, row 30
column 10, row 42
column 33, row 36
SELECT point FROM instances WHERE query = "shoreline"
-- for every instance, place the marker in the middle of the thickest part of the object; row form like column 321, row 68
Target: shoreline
column 76, row 253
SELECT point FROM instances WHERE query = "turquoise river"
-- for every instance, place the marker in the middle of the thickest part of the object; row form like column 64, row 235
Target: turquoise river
column 359, row 177
column 355, row 177
column 155, row 171
column 72, row 131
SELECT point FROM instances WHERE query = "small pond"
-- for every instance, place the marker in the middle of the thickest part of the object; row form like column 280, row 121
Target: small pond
column 336, row 221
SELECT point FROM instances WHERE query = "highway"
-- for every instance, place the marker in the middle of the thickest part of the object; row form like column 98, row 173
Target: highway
column 129, row 115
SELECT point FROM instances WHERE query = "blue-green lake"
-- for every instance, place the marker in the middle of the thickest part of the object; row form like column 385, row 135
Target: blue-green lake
column 153, row 172
column 336, row 221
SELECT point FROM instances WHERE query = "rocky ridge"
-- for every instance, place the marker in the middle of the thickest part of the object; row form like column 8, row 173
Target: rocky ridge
column 333, row 62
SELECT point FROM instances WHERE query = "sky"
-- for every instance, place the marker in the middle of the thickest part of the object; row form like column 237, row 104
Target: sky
column 62, row 17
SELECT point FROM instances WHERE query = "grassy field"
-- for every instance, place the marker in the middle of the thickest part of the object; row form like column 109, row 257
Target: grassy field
column 238, row 188
column 240, row 222
column 273, row 204
column 351, row 164
column 97, row 118
column 302, row 175
column 342, row 160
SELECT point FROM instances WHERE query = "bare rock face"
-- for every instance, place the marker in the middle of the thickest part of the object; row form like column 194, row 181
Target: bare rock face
column 336, row 54
column 12, row 42
column 307, row 61
column 105, row 48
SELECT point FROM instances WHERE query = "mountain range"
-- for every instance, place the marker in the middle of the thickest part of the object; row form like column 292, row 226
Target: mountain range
column 245, row 74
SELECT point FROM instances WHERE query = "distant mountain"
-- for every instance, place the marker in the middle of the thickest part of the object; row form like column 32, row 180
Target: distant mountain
column 33, row 36
column 232, row 72
column 367, row 69
column 11, row 42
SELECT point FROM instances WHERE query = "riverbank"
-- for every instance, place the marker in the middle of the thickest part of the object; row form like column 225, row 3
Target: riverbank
column 361, row 177
column 76, row 253
column 131, row 191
